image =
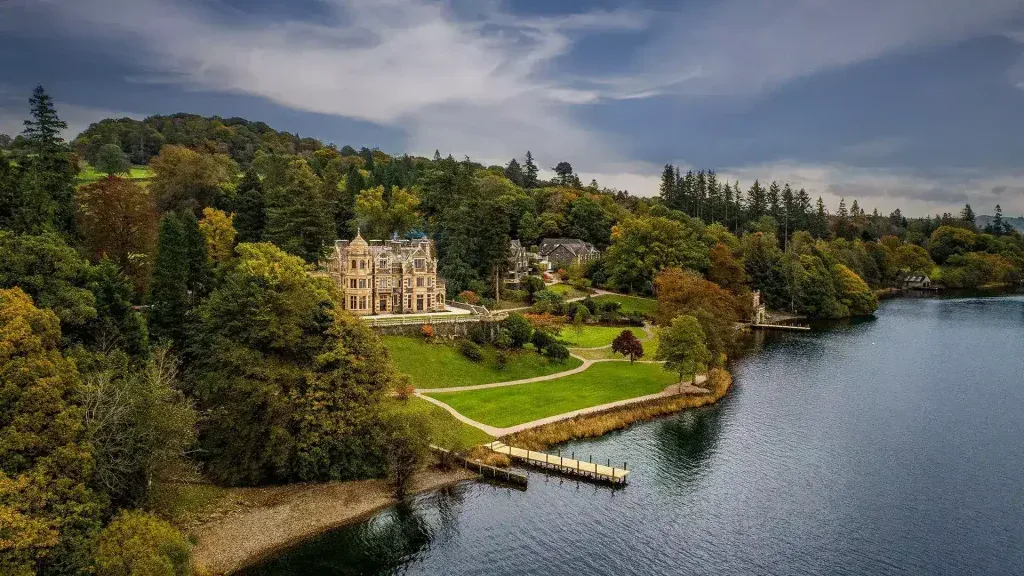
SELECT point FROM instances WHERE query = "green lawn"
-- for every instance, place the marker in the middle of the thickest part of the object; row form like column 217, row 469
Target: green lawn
column 445, row 430
column 594, row 336
column 601, row 383
column 441, row 365
column 88, row 174
column 631, row 304
column 566, row 291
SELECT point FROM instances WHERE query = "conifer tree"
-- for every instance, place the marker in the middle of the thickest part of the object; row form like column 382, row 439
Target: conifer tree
column 297, row 218
column 757, row 203
column 45, row 194
column 530, row 172
column 251, row 210
column 773, row 198
column 967, row 215
column 514, row 172
column 43, row 129
column 169, row 296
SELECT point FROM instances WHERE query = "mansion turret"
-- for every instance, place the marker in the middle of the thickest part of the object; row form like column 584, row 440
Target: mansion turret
column 387, row 277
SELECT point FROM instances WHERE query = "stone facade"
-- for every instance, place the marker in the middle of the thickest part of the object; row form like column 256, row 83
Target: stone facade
column 387, row 277
column 564, row 252
column 518, row 263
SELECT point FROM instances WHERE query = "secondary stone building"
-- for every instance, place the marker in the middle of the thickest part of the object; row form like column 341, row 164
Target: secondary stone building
column 387, row 277
column 518, row 263
column 564, row 252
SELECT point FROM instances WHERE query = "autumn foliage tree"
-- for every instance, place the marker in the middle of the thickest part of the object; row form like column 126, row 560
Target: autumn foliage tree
column 627, row 344
column 293, row 397
column 716, row 309
column 117, row 220
column 219, row 232
column 184, row 179
column 48, row 513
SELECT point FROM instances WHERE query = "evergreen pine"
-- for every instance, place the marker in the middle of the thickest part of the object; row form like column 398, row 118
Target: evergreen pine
column 967, row 215
column 169, row 296
column 251, row 210
column 45, row 194
column 530, row 172
column 43, row 129
column 514, row 172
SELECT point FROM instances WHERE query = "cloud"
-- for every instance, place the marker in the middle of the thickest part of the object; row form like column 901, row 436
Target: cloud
column 480, row 82
column 748, row 46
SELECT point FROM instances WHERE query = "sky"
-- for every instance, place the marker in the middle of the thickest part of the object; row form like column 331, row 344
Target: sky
column 909, row 104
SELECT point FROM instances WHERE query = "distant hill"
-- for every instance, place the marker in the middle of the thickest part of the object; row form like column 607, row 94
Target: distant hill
column 1018, row 222
column 236, row 137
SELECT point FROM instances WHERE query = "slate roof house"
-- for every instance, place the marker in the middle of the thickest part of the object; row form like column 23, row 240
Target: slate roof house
column 564, row 252
column 917, row 281
column 518, row 263
column 387, row 277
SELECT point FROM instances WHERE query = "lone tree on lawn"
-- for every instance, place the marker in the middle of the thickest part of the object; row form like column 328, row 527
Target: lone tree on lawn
column 627, row 344
column 683, row 347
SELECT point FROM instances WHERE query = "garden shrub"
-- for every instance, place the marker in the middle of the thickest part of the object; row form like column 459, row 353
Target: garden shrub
column 471, row 350
column 140, row 544
column 557, row 352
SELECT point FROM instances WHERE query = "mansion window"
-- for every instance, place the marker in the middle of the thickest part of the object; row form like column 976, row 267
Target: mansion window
column 430, row 282
column 396, row 300
column 362, row 264
column 409, row 305
column 419, row 302
column 352, row 303
column 420, row 264
column 362, row 282
column 383, row 283
column 383, row 303
column 353, row 264
column 352, row 283
column 382, row 264
column 429, row 298
column 419, row 282
column 362, row 302
column 408, row 283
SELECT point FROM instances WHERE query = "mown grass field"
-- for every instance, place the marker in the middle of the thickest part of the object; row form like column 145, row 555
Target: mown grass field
column 631, row 304
column 601, row 383
column 441, row 365
column 566, row 291
column 445, row 430
column 594, row 336
column 88, row 174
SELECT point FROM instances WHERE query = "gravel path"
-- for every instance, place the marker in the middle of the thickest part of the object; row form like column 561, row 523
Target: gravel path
column 672, row 390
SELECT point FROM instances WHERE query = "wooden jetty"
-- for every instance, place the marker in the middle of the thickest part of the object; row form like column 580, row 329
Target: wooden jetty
column 485, row 470
column 794, row 327
column 568, row 466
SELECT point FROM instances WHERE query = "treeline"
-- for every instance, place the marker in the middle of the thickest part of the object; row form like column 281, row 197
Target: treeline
column 145, row 340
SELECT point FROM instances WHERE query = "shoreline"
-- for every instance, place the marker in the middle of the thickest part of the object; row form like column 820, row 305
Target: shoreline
column 600, row 423
column 280, row 517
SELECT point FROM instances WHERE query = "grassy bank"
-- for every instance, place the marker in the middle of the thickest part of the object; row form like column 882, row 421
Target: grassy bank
column 593, row 425
column 631, row 304
column 445, row 430
column 600, row 384
column 88, row 174
column 441, row 365
column 594, row 336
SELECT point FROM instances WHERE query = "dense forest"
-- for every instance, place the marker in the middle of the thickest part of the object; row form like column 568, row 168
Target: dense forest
column 133, row 258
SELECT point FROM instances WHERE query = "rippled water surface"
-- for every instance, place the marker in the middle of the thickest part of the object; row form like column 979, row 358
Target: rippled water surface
column 888, row 446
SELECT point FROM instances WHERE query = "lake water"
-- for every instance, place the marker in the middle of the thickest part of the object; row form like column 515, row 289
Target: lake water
column 888, row 446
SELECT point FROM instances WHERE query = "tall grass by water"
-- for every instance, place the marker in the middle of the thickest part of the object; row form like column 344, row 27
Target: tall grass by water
column 593, row 425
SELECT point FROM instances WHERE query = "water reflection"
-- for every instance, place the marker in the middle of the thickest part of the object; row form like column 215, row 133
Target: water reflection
column 388, row 543
column 685, row 442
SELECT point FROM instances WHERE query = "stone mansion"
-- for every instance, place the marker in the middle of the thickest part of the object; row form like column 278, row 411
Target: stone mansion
column 387, row 277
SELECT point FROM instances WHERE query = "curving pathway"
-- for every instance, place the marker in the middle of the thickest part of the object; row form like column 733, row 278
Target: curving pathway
column 673, row 390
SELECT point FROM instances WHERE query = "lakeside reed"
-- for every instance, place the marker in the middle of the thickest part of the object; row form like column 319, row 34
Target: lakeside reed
column 593, row 425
